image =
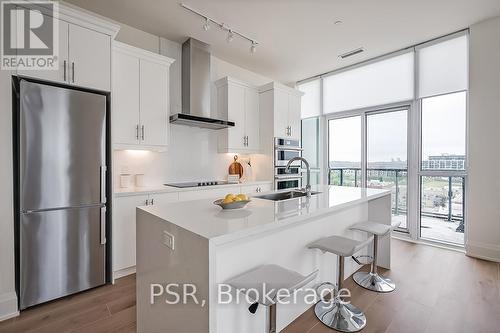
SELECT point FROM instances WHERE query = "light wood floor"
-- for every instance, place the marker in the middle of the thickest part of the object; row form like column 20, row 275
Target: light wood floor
column 438, row 291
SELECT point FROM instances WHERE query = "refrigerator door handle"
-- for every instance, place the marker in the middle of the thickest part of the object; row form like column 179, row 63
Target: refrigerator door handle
column 103, row 225
column 103, row 184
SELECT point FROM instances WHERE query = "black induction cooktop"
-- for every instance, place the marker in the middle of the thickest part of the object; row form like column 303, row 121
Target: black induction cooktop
column 197, row 184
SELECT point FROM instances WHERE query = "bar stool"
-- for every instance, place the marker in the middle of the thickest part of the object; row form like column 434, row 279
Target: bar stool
column 334, row 313
column 371, row 280
column 274, row 278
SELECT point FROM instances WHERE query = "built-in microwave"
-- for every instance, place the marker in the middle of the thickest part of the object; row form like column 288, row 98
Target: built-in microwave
column 290, row 182
column 285, row 150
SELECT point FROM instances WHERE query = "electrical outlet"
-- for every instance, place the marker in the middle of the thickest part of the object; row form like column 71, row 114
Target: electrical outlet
column 168, row 240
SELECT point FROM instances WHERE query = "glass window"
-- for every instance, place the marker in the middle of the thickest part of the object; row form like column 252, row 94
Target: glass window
column 443, row 67
column 442, row 209
column 344, row 151
column 443, row 132
column 310, row 141
column 378, row 83
column 310, row 101
column 387, row 166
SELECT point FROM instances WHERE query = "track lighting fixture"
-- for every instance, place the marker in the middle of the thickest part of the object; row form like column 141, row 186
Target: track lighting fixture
column 206, row 26
column 230, row 36
column 231, row 33
column 253, row 48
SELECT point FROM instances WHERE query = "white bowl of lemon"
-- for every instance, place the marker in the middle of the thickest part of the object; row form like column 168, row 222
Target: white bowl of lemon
column 232, row 201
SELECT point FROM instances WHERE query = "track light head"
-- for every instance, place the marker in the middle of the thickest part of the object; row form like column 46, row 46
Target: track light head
column 253, row 48
column 206, row 26
column 230, row 36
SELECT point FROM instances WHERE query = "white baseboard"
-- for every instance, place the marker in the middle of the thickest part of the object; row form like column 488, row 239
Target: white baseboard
column 123, row 272
column 8, row 305
column 489, row 252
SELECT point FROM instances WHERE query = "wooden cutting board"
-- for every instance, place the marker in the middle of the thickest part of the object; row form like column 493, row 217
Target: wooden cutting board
column 236, row 168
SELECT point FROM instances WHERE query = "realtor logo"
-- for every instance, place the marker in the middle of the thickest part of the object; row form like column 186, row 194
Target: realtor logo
column 30, row 33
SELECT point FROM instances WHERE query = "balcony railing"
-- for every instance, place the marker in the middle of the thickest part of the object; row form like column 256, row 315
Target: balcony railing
column 440, row 197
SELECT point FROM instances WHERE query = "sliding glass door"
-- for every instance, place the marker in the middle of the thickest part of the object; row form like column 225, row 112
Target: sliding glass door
column 387, row 157
column 370, row 150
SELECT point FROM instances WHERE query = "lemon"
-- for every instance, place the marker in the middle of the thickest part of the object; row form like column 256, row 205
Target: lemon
column 242, row 196
column 237, row 199
column 227, row 200
column 230, row 197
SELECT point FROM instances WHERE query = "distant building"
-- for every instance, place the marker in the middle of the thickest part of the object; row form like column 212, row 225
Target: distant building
column 444, row 162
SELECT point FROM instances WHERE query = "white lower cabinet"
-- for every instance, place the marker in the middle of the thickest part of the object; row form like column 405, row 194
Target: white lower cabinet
column 124, row 218
column 207, row 194
column 124, row 224
column 253, row 189
column 124, row 230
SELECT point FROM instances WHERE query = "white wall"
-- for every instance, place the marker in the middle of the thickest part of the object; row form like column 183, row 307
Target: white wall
column 484, row 138
column 192, row 154
column 8, row 300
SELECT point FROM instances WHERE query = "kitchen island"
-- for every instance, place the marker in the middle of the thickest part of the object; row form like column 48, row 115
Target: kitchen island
column 197, row 243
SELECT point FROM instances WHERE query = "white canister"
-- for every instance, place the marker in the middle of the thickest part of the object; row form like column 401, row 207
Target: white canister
column 124, row 180
column 139, row 180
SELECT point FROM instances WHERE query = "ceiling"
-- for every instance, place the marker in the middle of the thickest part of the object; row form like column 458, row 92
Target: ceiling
column 299, row 38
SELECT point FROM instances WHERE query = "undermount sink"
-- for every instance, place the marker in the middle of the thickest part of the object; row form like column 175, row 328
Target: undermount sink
column 279, row 196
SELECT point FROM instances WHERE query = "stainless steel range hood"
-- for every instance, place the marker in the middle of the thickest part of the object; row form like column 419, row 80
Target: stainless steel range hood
column 196, row 88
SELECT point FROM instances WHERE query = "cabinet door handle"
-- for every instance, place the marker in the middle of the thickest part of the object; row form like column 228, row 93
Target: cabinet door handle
column 64, row 70
column 153, row 201
column 147, row 202
column 73, row 72
column 247, row 141
column 142, row 132
column 290, row 130
column 137, row 132
column 244, row 140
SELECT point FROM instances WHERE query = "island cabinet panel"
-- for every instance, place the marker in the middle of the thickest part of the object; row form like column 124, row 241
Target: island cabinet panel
column 158, row 263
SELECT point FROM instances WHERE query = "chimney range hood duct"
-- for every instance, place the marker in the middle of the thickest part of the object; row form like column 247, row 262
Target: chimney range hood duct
column 196, row 88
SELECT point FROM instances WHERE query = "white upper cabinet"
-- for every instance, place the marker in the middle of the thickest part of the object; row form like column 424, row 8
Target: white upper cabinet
column 252, row 119
column 154, row 104
column 84, row 57
column 283, row 103
column 125, row 97
column 140, row 98
column 238, row 102
column 89, row 58
column 61, row 74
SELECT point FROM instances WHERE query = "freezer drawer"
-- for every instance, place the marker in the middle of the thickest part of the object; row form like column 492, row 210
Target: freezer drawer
column 62, row 252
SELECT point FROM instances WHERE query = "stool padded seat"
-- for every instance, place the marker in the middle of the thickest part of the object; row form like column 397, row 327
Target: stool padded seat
column 274, row 277
column 339, row 245
column 395, row 224
column 373, row 228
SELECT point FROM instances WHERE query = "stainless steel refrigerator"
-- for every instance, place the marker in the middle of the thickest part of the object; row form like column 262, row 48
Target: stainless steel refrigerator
column 62, row 191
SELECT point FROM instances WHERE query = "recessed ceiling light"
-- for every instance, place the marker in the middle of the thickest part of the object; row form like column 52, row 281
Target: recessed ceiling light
column 338, row 22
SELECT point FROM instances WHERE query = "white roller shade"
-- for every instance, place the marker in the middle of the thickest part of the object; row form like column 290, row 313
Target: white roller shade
column 443, row 67
column 310, row 102
column 383, row 82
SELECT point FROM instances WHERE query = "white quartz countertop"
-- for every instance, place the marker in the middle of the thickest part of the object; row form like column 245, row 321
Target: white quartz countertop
column 210, row 221
column 119, row 192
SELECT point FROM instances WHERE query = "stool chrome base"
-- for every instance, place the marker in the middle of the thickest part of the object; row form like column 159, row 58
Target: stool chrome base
column 340, row 317
column 374, row 282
